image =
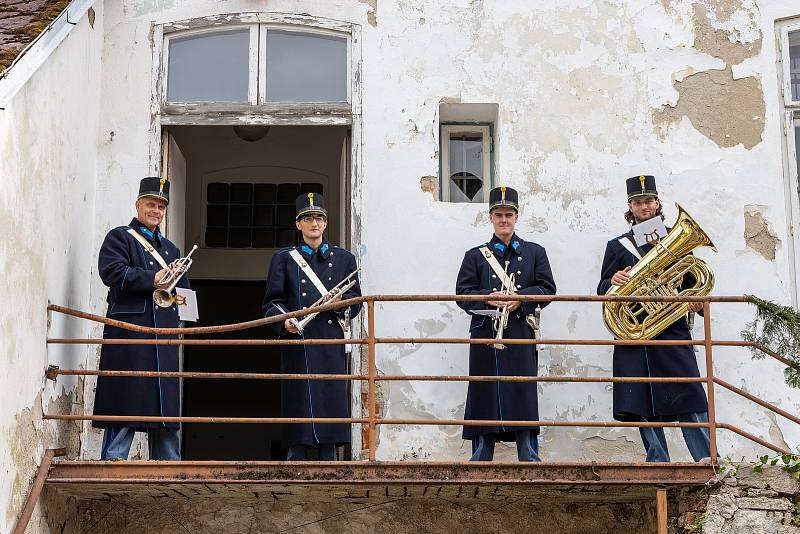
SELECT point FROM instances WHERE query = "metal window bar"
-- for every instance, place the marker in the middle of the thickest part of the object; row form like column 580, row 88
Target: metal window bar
column 372, row 421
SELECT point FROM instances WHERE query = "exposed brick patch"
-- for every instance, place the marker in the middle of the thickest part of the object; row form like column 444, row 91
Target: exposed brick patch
column 21, row 21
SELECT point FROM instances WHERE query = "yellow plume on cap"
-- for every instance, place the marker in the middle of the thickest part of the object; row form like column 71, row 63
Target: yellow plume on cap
column 311, row 200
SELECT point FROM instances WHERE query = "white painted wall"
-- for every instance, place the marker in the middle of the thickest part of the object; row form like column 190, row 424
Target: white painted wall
column 577, row 82
column 48, row 156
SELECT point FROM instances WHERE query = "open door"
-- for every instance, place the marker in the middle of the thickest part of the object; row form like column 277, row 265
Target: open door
column 174, row 165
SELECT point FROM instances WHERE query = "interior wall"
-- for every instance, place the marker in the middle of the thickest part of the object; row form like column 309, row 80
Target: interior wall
column 290, row 153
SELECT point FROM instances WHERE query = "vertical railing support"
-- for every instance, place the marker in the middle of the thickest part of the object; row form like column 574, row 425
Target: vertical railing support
column 712, row 412
column 36, row 489
column 371, row 407
column 661, row 510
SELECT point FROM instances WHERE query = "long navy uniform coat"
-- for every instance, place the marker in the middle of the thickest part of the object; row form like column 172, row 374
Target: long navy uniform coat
column 512, row 401
column 659, row 401
column 128, row 270
column 289, row 289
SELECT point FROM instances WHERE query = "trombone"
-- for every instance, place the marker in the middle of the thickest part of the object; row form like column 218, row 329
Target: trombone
column 333, row 293
column 501, row 319
column 163, row 297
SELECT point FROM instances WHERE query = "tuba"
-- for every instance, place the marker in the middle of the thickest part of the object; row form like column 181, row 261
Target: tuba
column 660, row 273
column 164, row 297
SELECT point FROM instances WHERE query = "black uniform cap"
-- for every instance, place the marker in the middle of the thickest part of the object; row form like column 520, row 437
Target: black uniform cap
column 153, row 186
column 310, row 204
column 503, row 197
column 641, row 186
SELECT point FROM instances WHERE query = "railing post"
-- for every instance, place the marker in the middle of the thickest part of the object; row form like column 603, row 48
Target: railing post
column 661, row 510
column 372, row 412
column 712, row 413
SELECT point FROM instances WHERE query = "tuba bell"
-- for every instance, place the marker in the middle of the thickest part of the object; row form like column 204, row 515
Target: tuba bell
column 660, row 273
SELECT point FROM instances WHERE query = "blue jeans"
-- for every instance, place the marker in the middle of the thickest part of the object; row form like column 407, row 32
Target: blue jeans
column 326, row 452
column 162, row 442
column 697, row 439
column 527, row 447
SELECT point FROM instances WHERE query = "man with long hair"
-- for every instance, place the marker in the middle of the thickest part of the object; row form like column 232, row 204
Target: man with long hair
column 653, row 402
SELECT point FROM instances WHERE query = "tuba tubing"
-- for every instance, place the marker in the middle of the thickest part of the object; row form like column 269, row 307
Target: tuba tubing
column 660, row 272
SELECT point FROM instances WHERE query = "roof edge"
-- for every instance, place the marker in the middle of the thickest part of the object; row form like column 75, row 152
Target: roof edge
column 37, row 51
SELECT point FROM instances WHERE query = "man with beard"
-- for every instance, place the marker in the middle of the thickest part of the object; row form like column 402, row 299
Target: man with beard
column 654, row 402
column 486, row 269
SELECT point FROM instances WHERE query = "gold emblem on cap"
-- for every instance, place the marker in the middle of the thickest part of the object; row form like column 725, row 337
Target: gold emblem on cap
column 503, row 193
column 641, row 180
column 311, row 200
column 161, row 187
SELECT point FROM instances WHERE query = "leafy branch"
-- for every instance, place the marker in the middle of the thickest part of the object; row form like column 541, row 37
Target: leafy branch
column 778, row 328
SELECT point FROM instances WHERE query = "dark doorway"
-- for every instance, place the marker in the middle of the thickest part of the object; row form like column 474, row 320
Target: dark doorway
column 225, row 302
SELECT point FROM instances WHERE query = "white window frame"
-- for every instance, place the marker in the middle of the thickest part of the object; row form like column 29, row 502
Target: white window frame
column 252, row 67
column 447, row 130
column 786, row 86
column 791, row 120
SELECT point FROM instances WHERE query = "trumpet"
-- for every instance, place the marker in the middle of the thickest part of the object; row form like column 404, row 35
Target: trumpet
column 163, row 297
column 501, row 319
column 333, row 294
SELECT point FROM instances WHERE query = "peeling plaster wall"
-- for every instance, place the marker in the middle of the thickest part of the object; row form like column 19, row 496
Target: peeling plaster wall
column 47, row 253
column 590, row 92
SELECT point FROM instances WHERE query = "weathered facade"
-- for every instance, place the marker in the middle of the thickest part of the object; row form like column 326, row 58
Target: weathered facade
column 574, row 96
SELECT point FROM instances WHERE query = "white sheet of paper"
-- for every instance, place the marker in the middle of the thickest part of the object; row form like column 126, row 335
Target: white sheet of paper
column 650, row 230
column 187, row 311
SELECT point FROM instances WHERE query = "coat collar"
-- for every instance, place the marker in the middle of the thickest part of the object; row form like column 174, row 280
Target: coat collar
column 501, row 249
column 156, row 236
column 324, row 250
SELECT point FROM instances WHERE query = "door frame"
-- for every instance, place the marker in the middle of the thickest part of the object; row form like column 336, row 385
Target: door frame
column 278, row 115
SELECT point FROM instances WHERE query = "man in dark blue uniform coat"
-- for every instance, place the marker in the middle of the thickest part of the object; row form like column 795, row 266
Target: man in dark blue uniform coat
column 291, row 288
column 132, row 272
column 512, row 401
column 655, row 402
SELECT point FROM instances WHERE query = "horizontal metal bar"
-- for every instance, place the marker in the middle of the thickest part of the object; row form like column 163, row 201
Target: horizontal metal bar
column 382, row 298
column 214, row 342
column 384, row 340
column 431, row 378
column 753, row 437
column 210, row 420
column 339, row 420
column 207, row 375
column 481, row 422
column 758, row 401
column 766, row 350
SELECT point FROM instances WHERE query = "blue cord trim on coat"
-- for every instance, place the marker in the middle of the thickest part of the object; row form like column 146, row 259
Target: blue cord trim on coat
column 124, row 276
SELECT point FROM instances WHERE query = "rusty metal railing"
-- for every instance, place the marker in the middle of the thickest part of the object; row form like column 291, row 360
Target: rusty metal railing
column 372, row 421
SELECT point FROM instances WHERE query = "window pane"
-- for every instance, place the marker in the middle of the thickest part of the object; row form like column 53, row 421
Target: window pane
column 211, row 67
column 794, row 62
column 304, row 67
column 466, row 168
